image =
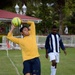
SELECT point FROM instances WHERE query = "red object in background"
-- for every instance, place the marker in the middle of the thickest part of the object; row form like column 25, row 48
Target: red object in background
column 8, row 45
column 1, row 29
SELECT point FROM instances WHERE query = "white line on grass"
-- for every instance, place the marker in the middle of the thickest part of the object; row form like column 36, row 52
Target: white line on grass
column 12, row 63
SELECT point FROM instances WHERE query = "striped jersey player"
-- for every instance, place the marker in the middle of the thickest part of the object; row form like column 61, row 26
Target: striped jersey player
column 52, row 45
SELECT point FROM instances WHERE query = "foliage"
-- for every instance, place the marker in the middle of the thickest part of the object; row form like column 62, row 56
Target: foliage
column 0, row 39
column 59, row 12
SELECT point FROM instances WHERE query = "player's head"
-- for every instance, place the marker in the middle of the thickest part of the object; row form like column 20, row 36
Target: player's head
column 25, row 30
column 54, row 29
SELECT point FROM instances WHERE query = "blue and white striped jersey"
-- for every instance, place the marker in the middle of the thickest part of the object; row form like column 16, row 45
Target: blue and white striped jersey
column 53, row 43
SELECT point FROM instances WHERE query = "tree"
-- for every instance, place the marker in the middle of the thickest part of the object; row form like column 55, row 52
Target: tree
column 59, row 12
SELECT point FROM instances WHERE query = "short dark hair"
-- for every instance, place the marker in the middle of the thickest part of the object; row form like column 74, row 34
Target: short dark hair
column 54, row 27
column 21, row 29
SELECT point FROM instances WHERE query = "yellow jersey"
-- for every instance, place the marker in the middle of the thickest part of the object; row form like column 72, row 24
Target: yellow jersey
column 28, row 44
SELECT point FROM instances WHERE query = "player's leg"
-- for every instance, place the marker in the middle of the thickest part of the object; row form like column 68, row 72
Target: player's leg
column 54, row 64
column 36, row 67
column 26, row 68
column 53, row 67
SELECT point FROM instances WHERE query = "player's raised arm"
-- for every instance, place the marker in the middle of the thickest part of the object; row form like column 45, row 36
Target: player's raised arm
column 16, row 21
column 10, row 35
column 32, row 27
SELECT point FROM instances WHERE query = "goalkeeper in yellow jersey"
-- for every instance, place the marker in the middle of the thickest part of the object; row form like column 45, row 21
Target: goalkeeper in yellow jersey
column 31, row 62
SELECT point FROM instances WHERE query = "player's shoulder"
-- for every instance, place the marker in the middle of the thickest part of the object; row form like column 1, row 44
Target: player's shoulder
column 58, row 34
column 49, row 35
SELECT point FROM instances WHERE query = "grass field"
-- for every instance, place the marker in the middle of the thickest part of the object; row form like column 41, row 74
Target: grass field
column 65, row 67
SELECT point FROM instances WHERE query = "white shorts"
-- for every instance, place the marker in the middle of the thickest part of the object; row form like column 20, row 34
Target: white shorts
column 54, row 56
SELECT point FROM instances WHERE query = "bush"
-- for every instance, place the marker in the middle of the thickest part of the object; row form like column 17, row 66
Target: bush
column 0, row 39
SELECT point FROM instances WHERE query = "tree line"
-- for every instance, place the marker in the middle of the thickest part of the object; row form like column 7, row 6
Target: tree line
column 58, row 12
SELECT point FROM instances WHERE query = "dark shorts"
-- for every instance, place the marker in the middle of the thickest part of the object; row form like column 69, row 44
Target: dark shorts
column 32, row 66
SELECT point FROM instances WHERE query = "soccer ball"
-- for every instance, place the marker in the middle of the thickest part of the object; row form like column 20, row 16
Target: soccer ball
column 16, row 21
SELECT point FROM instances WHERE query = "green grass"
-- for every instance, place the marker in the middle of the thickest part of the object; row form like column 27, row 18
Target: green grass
column 65, row 67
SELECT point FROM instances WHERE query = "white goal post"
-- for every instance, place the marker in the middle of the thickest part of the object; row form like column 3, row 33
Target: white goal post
column 68, row 40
